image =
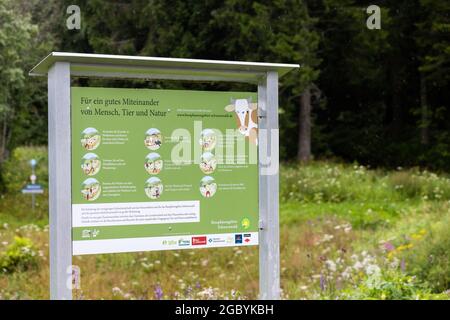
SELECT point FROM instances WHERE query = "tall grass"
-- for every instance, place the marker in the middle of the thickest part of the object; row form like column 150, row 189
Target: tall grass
column 335, row 183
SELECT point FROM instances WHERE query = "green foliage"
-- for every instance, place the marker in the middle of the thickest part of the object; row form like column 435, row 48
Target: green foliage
column 21, row 255
column 366, row 198
column 335, row 183
column 429, row 258
column 427, row 185
column 432, row 39
column 15, row 34
column 391, row 285
column 23, row 103
column 17, row 170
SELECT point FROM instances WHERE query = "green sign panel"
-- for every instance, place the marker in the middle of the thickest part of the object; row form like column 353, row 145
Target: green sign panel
column 163, row 169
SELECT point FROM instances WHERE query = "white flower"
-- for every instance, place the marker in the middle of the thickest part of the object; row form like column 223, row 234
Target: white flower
column 347, row 273
column 331, row 265
column 373, row 269
column 116, row 290
column 358, row 265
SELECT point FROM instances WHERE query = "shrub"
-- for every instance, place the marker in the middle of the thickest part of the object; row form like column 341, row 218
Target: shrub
column 21, row 255
column 429, row 259
column 16, row 170
column 391, row 285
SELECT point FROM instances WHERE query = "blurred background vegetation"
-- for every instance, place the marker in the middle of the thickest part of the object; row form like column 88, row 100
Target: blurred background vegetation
column 379, row 97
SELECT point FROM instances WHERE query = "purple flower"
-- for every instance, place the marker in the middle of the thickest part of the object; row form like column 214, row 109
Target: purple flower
column 158, row 292
column 388, row 246
column 188, row 291
column 322, row 282
column 403, row 265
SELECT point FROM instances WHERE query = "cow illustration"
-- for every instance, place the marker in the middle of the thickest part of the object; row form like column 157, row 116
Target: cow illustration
column 246, row 116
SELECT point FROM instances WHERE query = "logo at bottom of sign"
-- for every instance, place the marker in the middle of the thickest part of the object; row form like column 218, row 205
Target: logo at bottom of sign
column 198, row 241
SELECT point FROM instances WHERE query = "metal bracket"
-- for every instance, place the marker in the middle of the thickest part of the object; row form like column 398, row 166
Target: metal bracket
column 261, row 225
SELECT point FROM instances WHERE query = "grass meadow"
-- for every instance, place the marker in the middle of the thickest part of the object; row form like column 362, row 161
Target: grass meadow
column 347, row 232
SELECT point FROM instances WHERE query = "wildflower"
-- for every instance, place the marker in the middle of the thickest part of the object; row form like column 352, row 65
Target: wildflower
column 391, row 254
column 116, row 291
column 373, row 269
column 331, row 265
column 403, row 265
column 416, row 236
column 147, row 266
column 158, row 292
column 388, row 246
column 322, row 282
column 208, row 293
column 358, row 265
column 346, row 274
column 404, row 247
column 128, row 296
column 204, row 262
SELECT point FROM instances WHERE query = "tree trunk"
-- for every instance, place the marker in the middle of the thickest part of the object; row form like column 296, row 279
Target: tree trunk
column 304, row 132
column 397, row 108
column 3, row 139
column 424, row 125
